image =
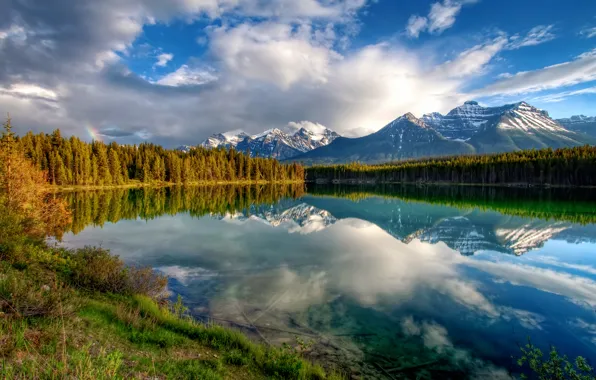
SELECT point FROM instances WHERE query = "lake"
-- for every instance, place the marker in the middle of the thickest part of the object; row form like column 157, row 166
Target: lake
column 381, row 282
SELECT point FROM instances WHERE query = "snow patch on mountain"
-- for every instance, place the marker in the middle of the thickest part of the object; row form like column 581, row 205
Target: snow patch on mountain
column 298, row 137
column 465, row 121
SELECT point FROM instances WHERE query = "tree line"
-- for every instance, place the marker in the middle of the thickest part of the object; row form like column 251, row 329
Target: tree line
column 71, row 161
column 560, row 167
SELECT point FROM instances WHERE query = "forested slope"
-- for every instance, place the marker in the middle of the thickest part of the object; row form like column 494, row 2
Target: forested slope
column 71, row 161
column 546, row 167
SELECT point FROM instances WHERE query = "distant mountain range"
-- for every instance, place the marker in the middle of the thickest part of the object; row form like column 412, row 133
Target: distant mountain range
column 580, row 124
column 273, row 143
column 467, row 129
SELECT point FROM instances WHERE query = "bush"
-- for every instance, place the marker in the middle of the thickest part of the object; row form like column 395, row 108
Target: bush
column 96, row 269
column 28, row 294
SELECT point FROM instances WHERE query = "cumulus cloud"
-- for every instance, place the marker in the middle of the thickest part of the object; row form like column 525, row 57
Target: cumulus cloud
column 163, row 59
column 285, row 63
column 272, row 52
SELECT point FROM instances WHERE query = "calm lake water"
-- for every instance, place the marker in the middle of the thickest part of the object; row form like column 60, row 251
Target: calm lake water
column 387, row 282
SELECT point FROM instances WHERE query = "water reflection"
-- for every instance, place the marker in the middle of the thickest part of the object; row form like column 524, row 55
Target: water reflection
column 387, row 286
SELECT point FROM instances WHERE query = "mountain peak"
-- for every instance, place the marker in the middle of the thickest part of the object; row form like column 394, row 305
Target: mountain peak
column 471, row 103
column 274, row 142
column 410, row 117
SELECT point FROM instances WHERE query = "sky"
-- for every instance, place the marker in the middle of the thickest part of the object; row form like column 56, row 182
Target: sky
column 176, row 71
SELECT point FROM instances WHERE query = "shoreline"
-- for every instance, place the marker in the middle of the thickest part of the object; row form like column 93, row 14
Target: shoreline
column 166, row 184
column 352, row 182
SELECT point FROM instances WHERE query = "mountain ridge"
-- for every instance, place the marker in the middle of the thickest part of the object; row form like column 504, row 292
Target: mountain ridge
column 274, row 143
column 467, row 129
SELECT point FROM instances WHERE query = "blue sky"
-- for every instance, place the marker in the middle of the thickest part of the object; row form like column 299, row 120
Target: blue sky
column 177, row 71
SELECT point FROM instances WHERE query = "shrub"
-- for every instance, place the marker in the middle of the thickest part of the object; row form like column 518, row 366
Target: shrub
column 27, row 294
column 96, row 269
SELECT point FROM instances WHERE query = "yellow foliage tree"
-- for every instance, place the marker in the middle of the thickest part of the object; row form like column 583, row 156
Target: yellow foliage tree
column 23, row 194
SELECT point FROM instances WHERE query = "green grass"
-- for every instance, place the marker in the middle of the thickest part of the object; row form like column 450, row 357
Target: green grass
column 133, row 337
column 57, row 323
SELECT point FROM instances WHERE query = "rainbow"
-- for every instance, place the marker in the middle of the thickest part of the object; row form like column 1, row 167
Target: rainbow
column 93, row 133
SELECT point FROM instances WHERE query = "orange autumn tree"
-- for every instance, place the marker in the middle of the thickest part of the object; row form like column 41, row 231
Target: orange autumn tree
column 25, row 204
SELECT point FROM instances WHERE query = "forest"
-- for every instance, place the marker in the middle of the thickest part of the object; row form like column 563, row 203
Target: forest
column 71, row 161
column 546, row 167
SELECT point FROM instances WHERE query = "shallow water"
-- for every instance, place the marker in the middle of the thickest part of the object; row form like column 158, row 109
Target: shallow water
column 385, row 282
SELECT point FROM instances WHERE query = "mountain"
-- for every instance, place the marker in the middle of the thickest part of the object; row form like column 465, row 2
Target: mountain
column 463, row 122
column 522, row 126
column 274, row 142
column 405, row 137
column 185, row 148
column 469, row 128
column 580, row 124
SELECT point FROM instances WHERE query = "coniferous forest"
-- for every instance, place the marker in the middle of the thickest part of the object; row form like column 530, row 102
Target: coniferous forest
column 71, row 161
column 546, row 167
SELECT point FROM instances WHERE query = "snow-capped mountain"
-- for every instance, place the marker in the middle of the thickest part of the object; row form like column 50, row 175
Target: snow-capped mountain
column 522, row 126
column 469, row 128
column 463, row 122
column 405, row 137
column 274, row 142
column 580, row 124
column 469, row 119
column 185, row 148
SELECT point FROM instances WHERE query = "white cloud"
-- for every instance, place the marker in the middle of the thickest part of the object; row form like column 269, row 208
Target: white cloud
column 536, row 36
column 589, row 32
column 561, row 96
column 472, row 61
column 285, row 64
column 163, row 59
column 308, row 125
column 27, row 90
column 441, row 17
column 187, row 76
column 416, row 24
column 582, row 69
column 273, row 53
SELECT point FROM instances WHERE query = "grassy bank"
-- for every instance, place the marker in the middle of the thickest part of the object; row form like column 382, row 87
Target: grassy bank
column 83, row 314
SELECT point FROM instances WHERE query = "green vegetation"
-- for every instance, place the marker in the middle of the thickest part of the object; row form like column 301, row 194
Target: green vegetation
column 564, row 204
column 547, row 167
column 83, row 314
column 72, row 162
column 555, row 366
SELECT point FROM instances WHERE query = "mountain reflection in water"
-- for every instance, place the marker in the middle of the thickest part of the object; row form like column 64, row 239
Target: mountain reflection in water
column 388, row 283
